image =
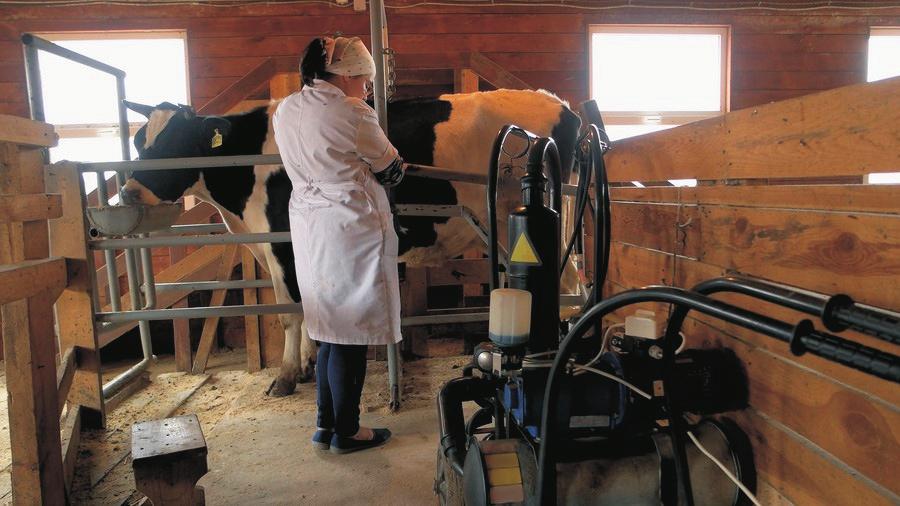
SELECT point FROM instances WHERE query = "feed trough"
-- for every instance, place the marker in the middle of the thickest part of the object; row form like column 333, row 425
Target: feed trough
column 128, row 220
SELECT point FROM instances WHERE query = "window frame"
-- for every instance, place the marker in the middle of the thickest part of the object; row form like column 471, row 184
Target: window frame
column 92, row 130
column 665, row 117
column 890, row 31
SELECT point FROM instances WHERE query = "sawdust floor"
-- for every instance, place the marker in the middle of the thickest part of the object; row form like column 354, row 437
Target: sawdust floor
column 259, row 450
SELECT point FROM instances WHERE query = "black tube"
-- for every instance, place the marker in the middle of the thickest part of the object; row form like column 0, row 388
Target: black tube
column 546, row 482
column 450, row 415
column 544, row 159
column 837, row 349
column 838, row 312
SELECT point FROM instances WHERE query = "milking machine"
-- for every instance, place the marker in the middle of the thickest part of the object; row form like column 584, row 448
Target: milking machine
column 568, row 414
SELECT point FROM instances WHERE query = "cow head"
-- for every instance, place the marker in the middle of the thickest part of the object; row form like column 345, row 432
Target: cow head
column 171, row 131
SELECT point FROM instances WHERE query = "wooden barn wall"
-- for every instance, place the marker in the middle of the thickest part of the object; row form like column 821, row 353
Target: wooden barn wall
column 822, row 433
column 776, row 54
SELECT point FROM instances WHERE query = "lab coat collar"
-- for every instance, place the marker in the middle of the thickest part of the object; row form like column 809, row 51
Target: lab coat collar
column 322, row 86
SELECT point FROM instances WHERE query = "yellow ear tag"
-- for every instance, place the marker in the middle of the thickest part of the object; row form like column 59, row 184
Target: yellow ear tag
column 217, row 139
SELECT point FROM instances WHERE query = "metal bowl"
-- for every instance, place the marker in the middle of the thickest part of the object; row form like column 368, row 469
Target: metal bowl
column 130, row 220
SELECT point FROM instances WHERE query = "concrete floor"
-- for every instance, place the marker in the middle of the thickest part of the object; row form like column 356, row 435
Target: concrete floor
column 268, row 460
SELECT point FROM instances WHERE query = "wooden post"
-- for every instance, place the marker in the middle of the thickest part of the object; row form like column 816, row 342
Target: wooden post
column 465, row 81
column 251, row 322
column 74, row 308
column 181, row 328
column 37, row 468
column 414, row 302
column 284, row 84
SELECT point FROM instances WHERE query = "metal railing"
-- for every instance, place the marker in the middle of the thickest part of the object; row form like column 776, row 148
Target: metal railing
column 33, row 44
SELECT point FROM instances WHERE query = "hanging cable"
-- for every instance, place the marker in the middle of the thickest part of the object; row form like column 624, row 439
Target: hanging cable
column 724, row 469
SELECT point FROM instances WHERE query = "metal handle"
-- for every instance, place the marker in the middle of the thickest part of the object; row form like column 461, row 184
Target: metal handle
column 849, row 353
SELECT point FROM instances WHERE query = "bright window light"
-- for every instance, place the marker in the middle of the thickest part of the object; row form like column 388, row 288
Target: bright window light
column 883, row 178
column 884, row 53
column 81, row 102
column 673, row 71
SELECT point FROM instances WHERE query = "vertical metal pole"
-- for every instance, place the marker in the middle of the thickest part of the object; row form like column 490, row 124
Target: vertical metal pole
column 33, row 78
column 378, row 27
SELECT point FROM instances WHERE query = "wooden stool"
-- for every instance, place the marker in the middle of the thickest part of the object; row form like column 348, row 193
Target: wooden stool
column 168, row 457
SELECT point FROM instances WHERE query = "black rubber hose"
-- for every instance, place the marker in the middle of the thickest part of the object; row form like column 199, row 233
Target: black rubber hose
column 546, row 481
column 450, row 415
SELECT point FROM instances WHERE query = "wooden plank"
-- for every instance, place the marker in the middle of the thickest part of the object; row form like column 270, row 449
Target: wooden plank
column 796, row 79
column 25, row 132
column 847, row 131
column 29, row 207
column 71, row 439
column 64, row 375
column 799, row 470
column 74, row 307
column 672, row 228
column 851, row 198
column 26, row 279
column 465, row 81
column 493, row 73
column 241, row 88
column 825, row 252
column 207, row 339
column 37, row 472
column 251, row 322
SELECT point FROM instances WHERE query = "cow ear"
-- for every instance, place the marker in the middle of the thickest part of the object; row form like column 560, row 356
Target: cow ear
column 215, row 130
column 143, row 110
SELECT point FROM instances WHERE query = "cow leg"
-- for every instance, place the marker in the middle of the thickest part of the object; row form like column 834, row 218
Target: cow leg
column 298, row 361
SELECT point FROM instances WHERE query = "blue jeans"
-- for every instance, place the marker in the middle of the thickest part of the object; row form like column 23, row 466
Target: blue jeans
column 340, row 373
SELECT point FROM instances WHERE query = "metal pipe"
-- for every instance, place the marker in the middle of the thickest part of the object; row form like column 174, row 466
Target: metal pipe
column 31, row 40
column 192, row 286
column 134, row 295
column 198, row 162
column 125, row 378
column 378, row 29
column 200, row 228
column 33, row 78
column 156, row 242
column 149, row 284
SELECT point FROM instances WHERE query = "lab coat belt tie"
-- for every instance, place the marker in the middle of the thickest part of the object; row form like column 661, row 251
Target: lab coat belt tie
column 318, row 194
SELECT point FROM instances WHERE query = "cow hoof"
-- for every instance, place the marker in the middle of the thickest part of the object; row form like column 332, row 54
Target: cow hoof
column 281, row 388
column 306, row 374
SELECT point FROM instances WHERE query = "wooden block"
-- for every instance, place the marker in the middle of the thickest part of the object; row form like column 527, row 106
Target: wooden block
column 26, row 279
column 16, row 130
column 168, row 457
column 29, row 207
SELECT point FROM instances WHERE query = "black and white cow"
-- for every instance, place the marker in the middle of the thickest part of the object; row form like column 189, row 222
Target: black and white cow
column 452, row 131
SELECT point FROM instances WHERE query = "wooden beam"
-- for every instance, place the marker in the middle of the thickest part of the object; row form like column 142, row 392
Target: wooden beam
column 71, row 439
column 25, row 132
column 29, row 207
column 251, row 322
column 181, row 328
column 64, row 375
column 493, row 73
column 849, row 131
column 207, row 339
column 465, row 81
column 851, row 198
column 241, row 88
column 74, row 308
column 26, row 279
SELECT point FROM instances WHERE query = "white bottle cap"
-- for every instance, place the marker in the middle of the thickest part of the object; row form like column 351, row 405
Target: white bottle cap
column 642, row 324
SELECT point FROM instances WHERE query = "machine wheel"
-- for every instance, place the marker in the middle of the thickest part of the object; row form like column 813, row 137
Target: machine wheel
column 447, row 485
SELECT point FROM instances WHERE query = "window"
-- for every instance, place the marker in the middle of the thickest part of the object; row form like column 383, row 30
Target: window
column 883, row 62
column 647, row 78
column 81, row 101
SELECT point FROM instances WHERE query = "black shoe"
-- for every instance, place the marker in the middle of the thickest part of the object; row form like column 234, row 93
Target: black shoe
column 341, row 445
column 321, row 440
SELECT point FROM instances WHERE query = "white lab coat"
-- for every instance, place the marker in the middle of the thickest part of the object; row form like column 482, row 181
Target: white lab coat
column 345, row 246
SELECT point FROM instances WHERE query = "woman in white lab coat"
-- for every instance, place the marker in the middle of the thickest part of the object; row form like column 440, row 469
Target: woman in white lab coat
column 345, row 247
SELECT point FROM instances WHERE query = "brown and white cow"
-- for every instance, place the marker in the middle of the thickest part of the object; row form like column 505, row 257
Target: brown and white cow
column 453, row 131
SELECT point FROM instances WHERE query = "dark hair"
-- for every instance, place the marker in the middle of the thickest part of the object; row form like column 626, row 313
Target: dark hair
column 312, row 63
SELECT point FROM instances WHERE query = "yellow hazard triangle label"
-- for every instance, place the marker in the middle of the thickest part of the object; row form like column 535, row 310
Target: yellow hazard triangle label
column 523, row 252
